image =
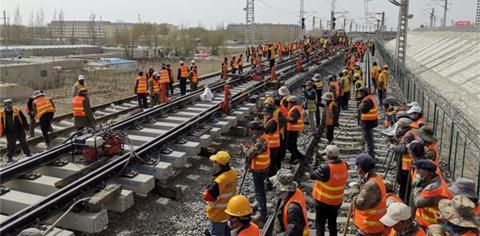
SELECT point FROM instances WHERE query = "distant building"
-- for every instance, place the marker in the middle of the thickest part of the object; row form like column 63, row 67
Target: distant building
column 269, row 32
column 86, row 29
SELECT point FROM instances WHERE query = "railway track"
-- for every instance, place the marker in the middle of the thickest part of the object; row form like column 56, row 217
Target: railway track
column 182, row 127
column 350, row 142
column 62, row 125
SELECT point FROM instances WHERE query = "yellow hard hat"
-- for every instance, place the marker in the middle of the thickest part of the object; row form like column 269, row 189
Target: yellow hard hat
column 269, row 100
column 222, row 158
column 385, row 66
column 356, row 75
column 238, row 206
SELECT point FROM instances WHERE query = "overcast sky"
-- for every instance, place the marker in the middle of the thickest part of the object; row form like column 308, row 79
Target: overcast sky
column 212, row 12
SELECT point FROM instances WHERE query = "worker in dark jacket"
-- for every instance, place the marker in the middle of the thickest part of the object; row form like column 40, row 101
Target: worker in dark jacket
column 13, row 124
column 291, row 218
column 272, row 130
column 31, row 116
column 310, row 98
column 82, row 111
column 368, row 117
column 328, row 190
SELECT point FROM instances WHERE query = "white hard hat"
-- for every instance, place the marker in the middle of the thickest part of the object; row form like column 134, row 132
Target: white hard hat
column 414, row 109
column 403, row 122
column 81, row 77
column 396, row 212
column 332, row 151
column 37, row 93
column 316, row 77
column 283, row 91
column 192, row 61
column 156, row 74
column 413, row 104
column 181, row 62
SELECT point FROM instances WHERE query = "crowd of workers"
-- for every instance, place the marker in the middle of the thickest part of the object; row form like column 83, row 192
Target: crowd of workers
column 424, row 203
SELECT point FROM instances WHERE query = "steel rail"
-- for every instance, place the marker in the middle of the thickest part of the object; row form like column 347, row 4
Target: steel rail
column 115, row 166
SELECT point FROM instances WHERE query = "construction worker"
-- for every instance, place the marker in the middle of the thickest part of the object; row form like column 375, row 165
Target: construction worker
column 328, row 190
column 13, row 125
column 193, row 75
column 374, row 72
column 281, row 113
column 294, row 126
column 358, row 83
column 399, row 219
column 141, row 90
column 182, row 76
column 310, row 98
column 170, row 84
column 345, row 86
column 429, row 189
column 258, row 160
column 429, row 140
column 458, row 217
column 334, row 87
column 318, row 85
column 466, row 187
column 31, row 116
column 239, row 213
column 368, row 118
column 271, row 56
column 392, row 197
column 415, row 114
column 357, row 70
column 44, row 109
column 370, row 198
column 240, row 64
column 225, row 68
column 292, row 211
column 234, row 65
column 298, row 63
column 331, row 115
column 405, row 159
column 154, row 89
column 164, row 81
column 272, row 130
column 80, row 84
column 382, row 84
column 81, row 110
column 222, row 188
column 248, row 53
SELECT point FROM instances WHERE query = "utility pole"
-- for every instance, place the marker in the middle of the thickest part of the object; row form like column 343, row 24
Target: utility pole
column 332, row 16
column 321, row 27
column 351, row 23
column 5, row 31
column 477, row 18
column 313, row 23
column 445, row 8
column 401, row 41
column 432, row 16
column 383, row 22
column 250, row 22
column 344, row 23
column 302, row 19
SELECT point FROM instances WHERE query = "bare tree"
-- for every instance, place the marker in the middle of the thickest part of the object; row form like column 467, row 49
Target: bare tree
column 92, row 35
column 61, row 23
column 17, row 19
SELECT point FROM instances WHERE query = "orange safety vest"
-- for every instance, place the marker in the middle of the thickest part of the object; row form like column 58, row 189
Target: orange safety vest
column 262, row 160
column 183, row 71
column 329, row 114
column 373, row 113
column 428, row 215
column 332, row 191
column 240, row 62
column 298, row 198
column 142, row 87
column 234, row 63
column 368, row 220
column 420, row 232
column 251, row 230
column 155, row 86
column 16, row 114
column 407, row 159
column 227, row 185
column 194, row 78
column 164, row 78
column 43, row 105
column 477, row 210
column 273, row 138
column 297, row 126
column 77, row 106
column 416, row 123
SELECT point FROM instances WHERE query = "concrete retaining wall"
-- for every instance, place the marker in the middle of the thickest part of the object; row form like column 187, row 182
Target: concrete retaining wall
column 450, row 63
